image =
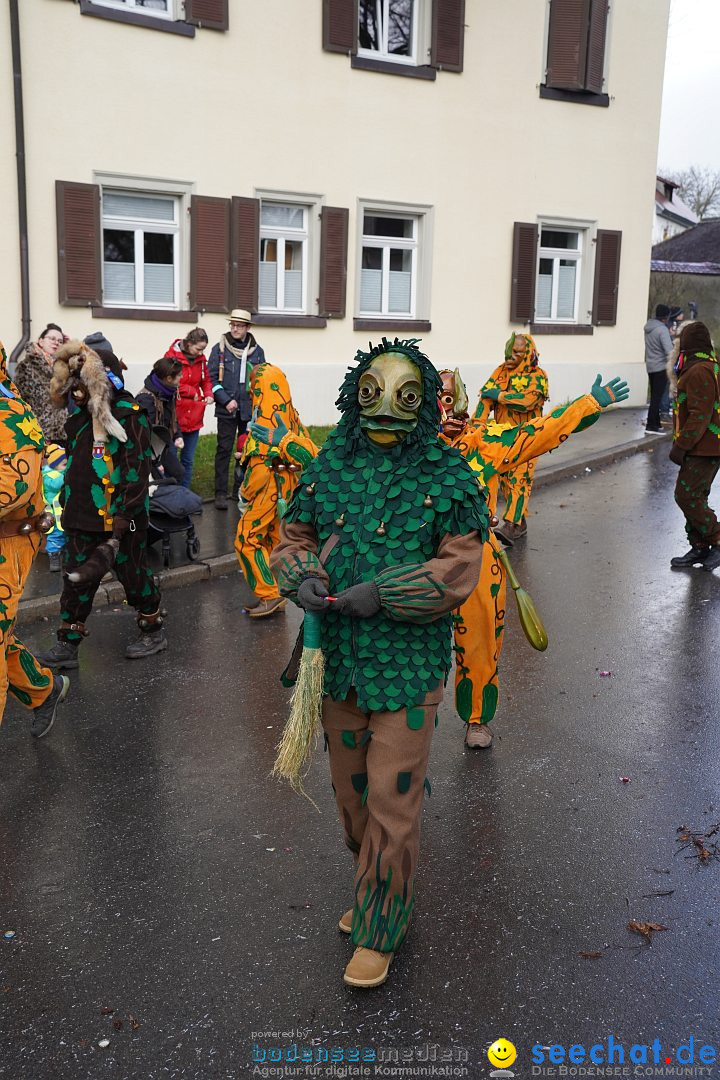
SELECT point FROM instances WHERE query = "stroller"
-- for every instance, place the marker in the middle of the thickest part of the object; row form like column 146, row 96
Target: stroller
column 170, row 504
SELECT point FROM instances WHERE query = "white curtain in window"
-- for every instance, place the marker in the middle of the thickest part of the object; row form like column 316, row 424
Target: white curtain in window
column 289, row 217
column 371, row 290
column 543, row 299
column 566, row 290
column 159, row 284
column 138, row 207
column 400, row 284
column 267, row 285
column 120, row 282
column 293, row 288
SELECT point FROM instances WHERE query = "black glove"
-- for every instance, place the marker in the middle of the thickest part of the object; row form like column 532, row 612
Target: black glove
column 677, row 455
column 95, row 568
column 359, row 601
column 311, row 595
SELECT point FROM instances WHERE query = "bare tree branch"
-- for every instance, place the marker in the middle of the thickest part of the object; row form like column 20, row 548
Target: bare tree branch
column 699, row 188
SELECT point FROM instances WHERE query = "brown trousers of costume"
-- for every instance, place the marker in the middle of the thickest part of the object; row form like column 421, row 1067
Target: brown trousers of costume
column 692, row 491
column 378, row 764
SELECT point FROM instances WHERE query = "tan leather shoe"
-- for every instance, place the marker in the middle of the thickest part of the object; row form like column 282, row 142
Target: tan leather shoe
column 345, row 923
column 478, row 736
column 267, row 607
column 368, row 967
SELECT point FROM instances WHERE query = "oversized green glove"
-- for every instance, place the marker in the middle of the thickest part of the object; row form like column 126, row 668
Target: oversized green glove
column 491, row 392
column 272, row 436
column 615, row 390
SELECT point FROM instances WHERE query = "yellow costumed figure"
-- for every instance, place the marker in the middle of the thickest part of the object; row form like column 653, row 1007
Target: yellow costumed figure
column 493, row 451
column 276, row 451
column 515, row 393
column 22, row 525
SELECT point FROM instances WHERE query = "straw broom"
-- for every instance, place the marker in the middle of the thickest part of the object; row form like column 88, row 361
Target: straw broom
column 530, row 620
column 304, row 722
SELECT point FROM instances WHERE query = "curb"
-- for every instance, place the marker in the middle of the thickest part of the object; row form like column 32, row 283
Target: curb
column 205, row 570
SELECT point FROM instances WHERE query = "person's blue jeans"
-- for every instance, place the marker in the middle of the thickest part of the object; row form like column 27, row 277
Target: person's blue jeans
column 187, row 455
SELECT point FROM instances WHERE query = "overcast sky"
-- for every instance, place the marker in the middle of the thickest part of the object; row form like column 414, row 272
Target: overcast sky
column 690, row 128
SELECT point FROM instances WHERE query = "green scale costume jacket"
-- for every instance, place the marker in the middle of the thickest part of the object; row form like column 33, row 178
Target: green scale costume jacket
column 412, row 519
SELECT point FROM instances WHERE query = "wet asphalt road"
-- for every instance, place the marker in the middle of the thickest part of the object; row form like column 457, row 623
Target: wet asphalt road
column 149, row 866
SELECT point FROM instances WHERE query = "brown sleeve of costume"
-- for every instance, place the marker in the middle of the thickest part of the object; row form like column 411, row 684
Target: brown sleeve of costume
column 701, row 389
column 423, row 592
column 295, row 557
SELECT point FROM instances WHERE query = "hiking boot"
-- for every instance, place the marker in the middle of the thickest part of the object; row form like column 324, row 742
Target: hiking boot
column 510, row 532
column 221, row 502
column 55, row 561
column 478, row 736
column 690, row 558
column 368, row 967
column 267, row 607
column 345, row 923
column 712, row 558
column 63, row 656
column 149, row 643
column 44, row 716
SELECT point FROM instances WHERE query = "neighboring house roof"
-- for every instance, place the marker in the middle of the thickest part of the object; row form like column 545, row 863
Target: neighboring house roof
column 674, row 209
column 700, row 244
column 665, row 266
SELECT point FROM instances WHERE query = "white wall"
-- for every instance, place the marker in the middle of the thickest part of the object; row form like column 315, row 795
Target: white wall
column 264, row 107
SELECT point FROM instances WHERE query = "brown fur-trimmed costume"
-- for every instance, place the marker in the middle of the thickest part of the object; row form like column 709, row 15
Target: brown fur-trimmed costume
column 79, row 370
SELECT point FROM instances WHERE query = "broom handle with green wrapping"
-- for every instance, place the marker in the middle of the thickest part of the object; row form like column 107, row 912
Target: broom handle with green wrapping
column 312, row 628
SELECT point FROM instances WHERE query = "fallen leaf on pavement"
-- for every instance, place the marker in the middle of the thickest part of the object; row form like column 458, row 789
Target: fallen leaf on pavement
column 590, row 955
column 647, row 929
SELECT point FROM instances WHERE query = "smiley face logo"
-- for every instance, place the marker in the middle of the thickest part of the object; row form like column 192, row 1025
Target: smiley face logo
column 502, row 1054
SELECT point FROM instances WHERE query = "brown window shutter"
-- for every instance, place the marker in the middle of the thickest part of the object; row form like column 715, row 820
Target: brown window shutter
column 596, row 46
column 448, row 34
column 209, row 253
column 524, row 271
column 245, row 253
column 333, row 261
column 340, row 25
column 79, row 238
column 607, row 277
column 210, row 14
column 567, row 44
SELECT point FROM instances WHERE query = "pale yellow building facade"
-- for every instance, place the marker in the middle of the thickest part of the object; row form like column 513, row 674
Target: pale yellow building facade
column 462, row 148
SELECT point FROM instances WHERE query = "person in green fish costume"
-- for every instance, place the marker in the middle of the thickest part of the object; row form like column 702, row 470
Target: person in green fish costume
column 384, row 536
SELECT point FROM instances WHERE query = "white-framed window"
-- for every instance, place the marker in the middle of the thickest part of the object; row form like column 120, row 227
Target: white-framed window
column 284, row 257
column 394, row 244
column 561, row 259
column 391, row 30
column 160, row 9
column 141, row 249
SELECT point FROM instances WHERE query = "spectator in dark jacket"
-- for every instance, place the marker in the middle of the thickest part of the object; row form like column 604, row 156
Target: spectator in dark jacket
column 159, row 400
column 231, row 363
column 105, row 500
column 194, row 393
column 658, row 346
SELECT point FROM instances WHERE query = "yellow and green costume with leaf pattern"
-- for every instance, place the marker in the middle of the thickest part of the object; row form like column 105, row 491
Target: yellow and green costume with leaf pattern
column 21, row 496
column 522, row 393
column 271, row 476
column 493, row 450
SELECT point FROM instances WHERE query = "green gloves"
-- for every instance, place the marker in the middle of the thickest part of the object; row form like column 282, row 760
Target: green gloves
column 272, row 436
column 492, row 392
column 615, row 390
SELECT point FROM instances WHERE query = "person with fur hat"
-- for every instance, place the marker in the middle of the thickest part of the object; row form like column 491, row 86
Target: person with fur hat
column 105, row 500
column 22, row 525
column 230, row 366
column 276, row 451
column 696, row 445
column 515, row 393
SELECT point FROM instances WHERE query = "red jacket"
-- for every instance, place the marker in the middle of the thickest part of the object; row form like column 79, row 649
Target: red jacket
column 195, row 386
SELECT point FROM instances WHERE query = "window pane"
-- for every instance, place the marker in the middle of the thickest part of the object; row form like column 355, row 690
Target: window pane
column 156, row 5
column 400, row 25
column 119, row 282
column 372, row 258
column 267, row 285
column 543, row 298
column 268, row 251
column 369, row 35
column 118, row 246
column 374, row 225
column 290, row 217
column 566, row 289
column 158, row 248
column 400, row 282
column 142, row 207
column 554, row 238
column 159, row 284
